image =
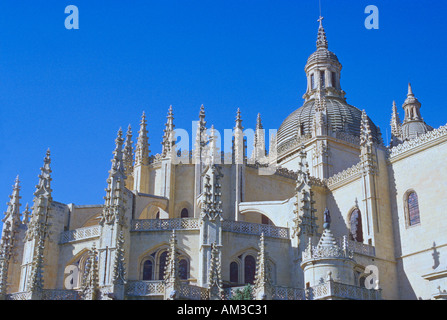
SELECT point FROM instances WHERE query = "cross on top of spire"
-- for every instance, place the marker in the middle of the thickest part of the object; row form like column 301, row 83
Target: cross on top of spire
column 321, row 40
column 320, row 20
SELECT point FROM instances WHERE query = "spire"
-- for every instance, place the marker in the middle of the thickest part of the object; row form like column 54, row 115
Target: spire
column 168, row 143
column 119, row 269
column 367, row 156
column 321, row 39
column 263, row 277
column 215, row 274
column 128, row 153
column 44, row 185
column 171, row 275
column 239, row 147
column 202, row 117
column 214, row 157
column 142, row 147
column 259, row 152
column 35, row 282
column 239, row 120
column 303, row 167
column 304, row 205
column 90, row 279
column 212, row 202
column 26, row 215
column 13, row 211
column 200, row 136
column 259, row 122
column 273, row 150
column 114, row 199
column 396, row 126
column 395, row 120
column 410, row 90
column 365, row 131
column 118, row 157
column 38, row 225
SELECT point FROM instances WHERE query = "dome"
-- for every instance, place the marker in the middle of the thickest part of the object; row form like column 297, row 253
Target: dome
column 323, row 82
column 323, row 56
column 413, row 129
column 341, row 117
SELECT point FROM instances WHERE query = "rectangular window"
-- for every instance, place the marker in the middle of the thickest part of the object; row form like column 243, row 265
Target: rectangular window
column 334, row 80
column 322, row 79
column 312, row 81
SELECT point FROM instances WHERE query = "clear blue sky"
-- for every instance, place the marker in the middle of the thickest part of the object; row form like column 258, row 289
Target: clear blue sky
column 71, row 90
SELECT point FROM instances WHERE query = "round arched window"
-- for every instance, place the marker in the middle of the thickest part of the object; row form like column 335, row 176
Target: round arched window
column 413, row 209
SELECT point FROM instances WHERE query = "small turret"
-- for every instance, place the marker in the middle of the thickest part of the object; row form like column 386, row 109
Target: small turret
column 413, row 124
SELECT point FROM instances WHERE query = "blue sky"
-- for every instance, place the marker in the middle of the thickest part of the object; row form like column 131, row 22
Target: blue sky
column 71, row 90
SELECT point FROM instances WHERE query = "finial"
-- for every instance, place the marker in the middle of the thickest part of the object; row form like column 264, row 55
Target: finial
column 202, row 121
column 410, row 90
column 320, row 19
column 259, row 122
column 239, row 119
column 321, row 40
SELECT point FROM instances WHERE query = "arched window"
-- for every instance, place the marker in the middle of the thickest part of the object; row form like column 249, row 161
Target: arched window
column 356, row 232
column 184, row 213
column 412, row 204
column 183, row 269
column 162, row 265
column 234, row 272
column 250, row 269
column 334, row 80
column 157, row 216
column 148, row 270
column 322, row 79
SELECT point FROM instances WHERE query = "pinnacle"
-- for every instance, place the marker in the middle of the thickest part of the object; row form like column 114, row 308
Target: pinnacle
column 259, row 122
column 239, row 119
column 410, row 90
column 321, row 40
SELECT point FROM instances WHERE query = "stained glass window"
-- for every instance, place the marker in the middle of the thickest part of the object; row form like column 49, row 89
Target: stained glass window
column 250, row 269
column 234, row 272
column 356, row 232
column 147, row 270
column 413, row 209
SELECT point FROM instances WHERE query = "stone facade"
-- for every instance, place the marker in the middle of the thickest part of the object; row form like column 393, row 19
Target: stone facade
column 338, row 216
